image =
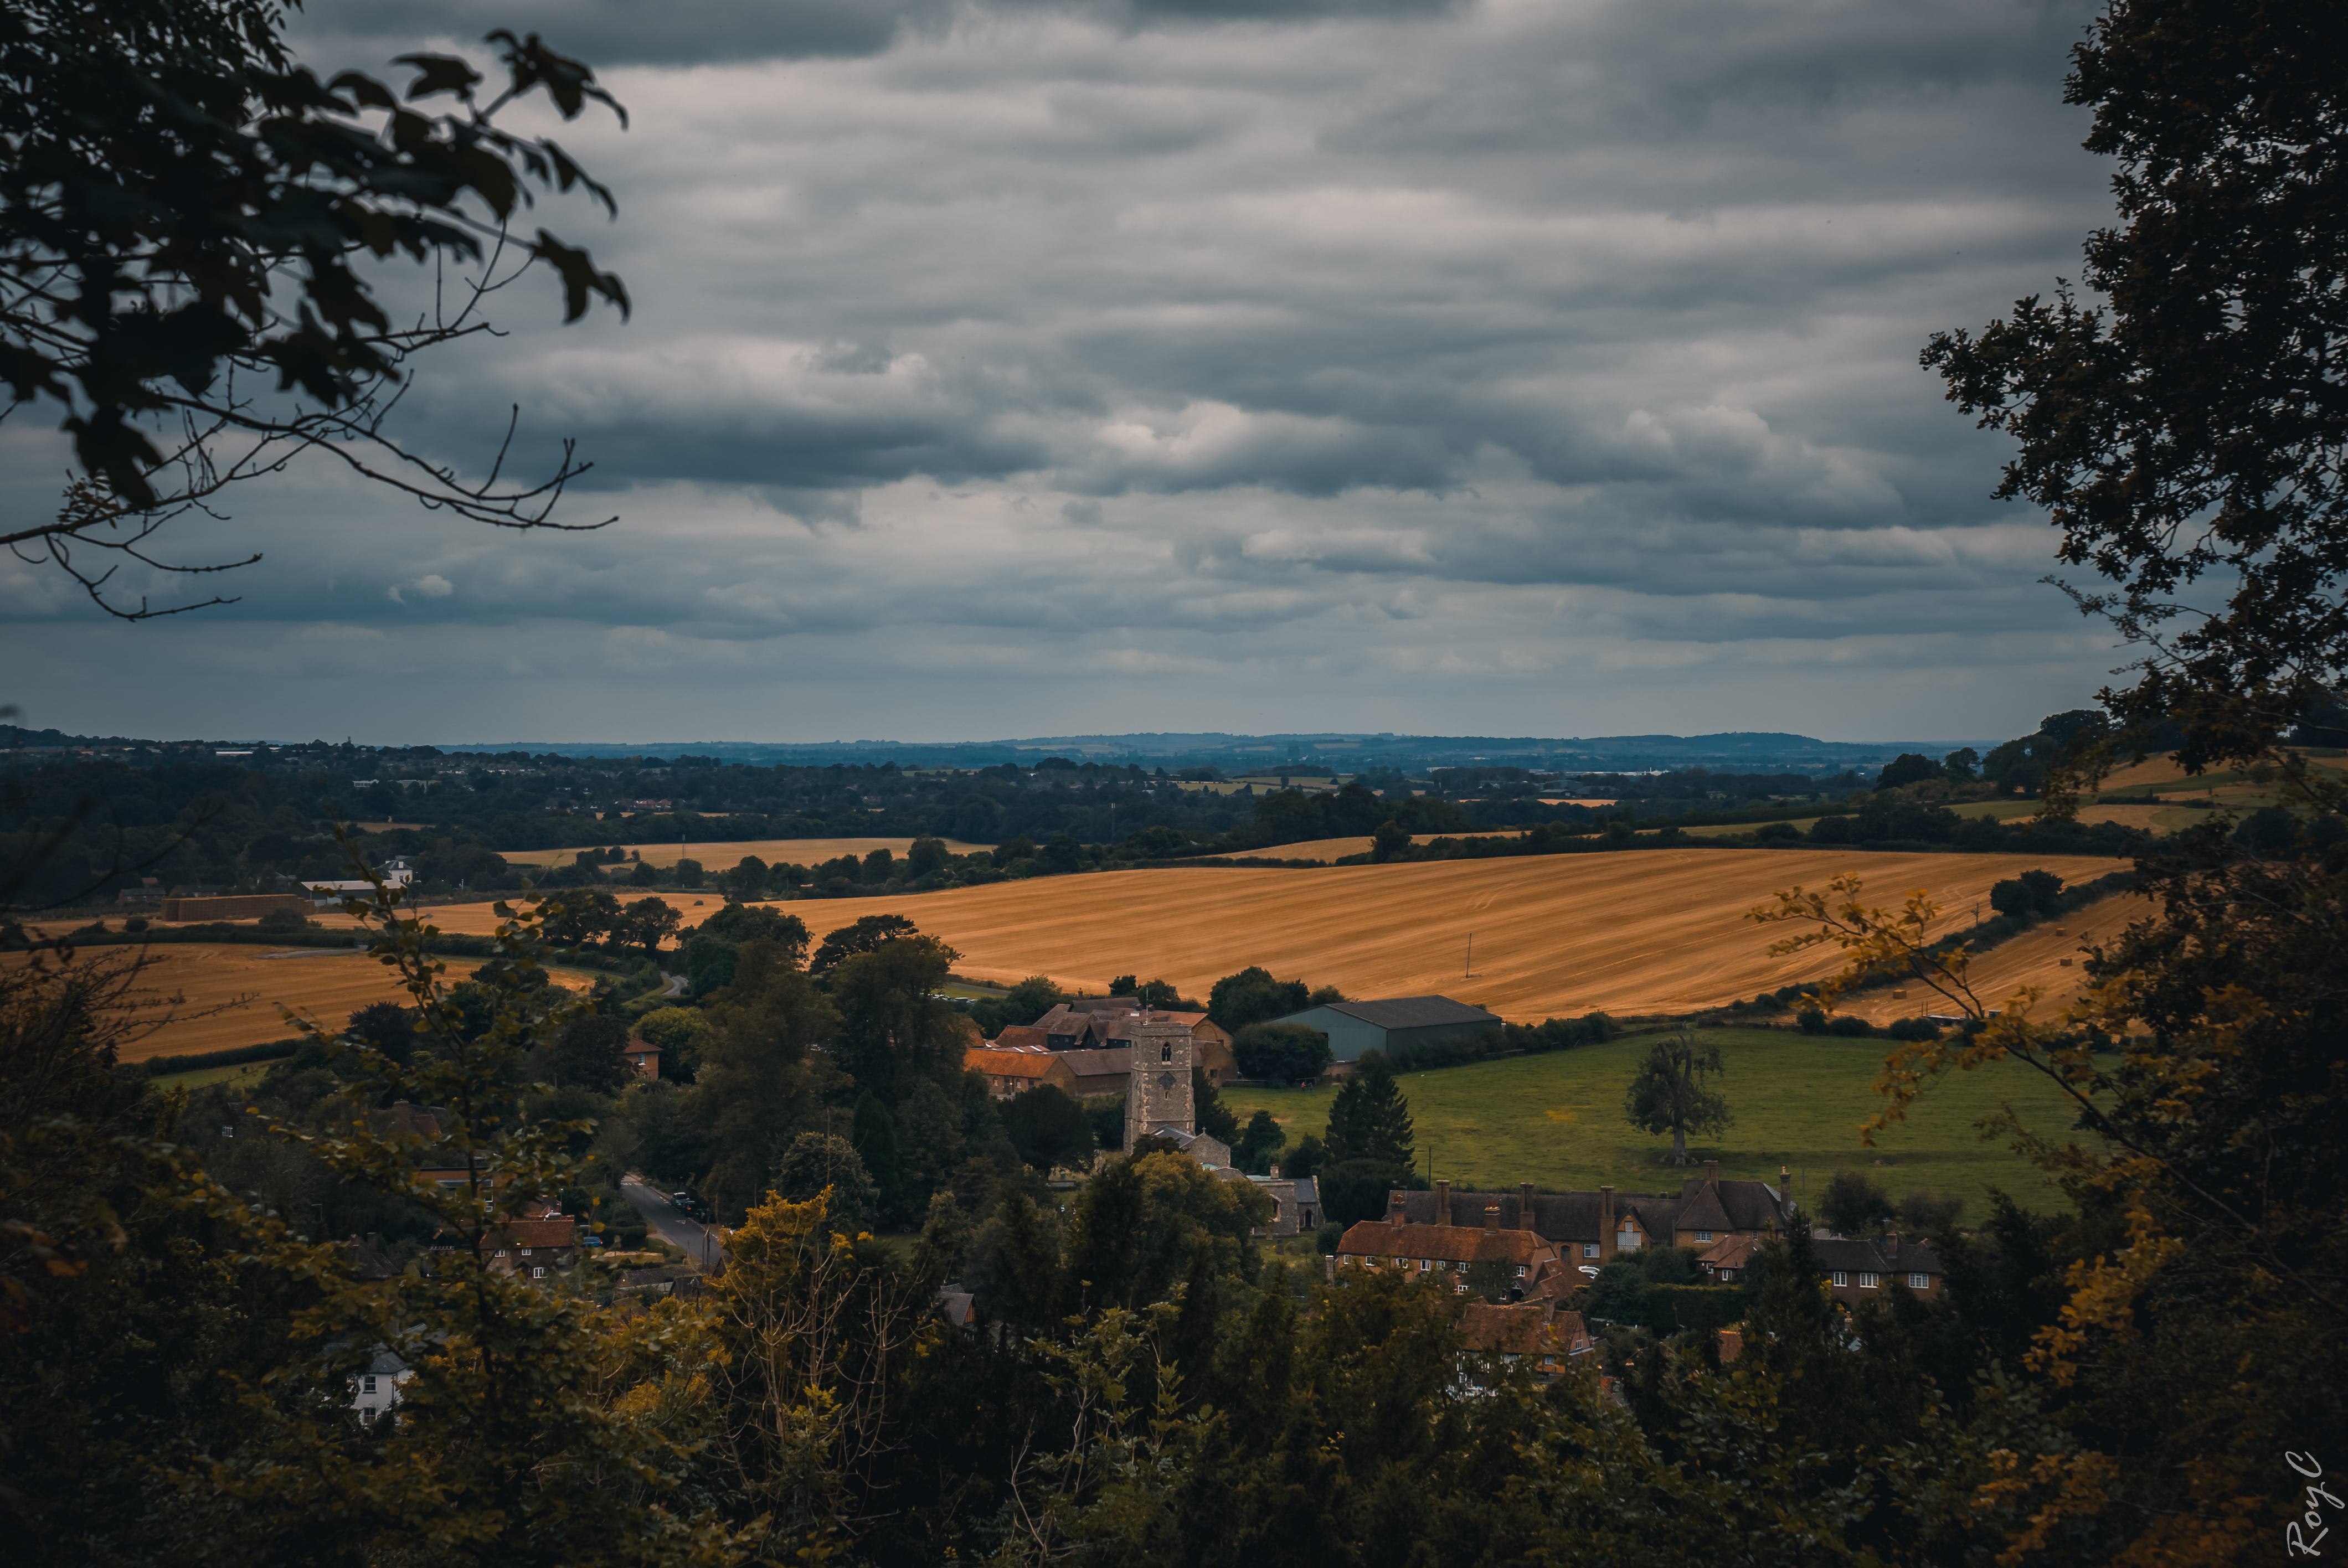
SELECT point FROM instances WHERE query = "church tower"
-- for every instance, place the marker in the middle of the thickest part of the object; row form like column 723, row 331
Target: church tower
column 1158, row 1083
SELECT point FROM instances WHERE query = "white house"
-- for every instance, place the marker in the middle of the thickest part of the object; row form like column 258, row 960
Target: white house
column 375, row 1388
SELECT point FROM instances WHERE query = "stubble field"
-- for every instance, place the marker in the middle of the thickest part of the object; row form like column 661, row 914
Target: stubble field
column 1628, row 932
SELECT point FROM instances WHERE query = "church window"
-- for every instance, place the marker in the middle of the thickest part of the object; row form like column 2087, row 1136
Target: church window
column 1165, row 1054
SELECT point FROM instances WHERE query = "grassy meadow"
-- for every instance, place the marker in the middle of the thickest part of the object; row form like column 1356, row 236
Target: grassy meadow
column 1556, row 1119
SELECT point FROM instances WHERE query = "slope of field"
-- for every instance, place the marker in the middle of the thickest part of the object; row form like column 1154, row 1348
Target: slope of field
column 1634, row 931
column 1556, row 1121
column 2047, row 957
column 725, row 856
column 223, row 995
column 1327, row 850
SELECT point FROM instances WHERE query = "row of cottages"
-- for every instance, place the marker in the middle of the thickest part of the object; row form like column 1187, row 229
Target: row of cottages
column 1589, row 1229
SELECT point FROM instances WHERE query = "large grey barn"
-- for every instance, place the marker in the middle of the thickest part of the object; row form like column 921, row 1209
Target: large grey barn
column 1389, row 1025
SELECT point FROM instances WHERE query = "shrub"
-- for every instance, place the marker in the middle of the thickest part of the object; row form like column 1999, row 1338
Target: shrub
column 1812, row 1020
column 135, row 924
column 1851, row 1026
column 1914, row 1029
column 1853, row 1204
column 282, row 920
column 1280, row 1052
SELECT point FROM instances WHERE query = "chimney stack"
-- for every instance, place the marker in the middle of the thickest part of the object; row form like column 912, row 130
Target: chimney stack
column 1524, row 1205
column 1710, row 1172
column 1605, row 1224
column 1393, row 1211
column 1443, row 1201
column 1492, row 1217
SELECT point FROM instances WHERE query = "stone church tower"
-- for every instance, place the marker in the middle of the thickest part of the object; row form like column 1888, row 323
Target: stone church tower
column 1158, row 1083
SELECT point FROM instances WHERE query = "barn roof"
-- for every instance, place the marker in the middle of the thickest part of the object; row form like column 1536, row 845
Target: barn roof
column 1413, row 1012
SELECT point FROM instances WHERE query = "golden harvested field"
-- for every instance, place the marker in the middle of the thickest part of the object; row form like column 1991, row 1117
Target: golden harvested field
column 2034, row 958
column 1327, row 850
column 725, row 856
column 246, row 984
column 1631, row 932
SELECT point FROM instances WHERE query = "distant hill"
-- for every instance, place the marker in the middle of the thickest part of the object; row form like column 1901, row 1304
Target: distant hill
column 1348, row 752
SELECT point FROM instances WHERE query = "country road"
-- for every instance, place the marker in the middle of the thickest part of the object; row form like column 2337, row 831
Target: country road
column 699, row 1241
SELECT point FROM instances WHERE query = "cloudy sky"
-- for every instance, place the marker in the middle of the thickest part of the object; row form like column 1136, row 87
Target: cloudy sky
column 1520, row 366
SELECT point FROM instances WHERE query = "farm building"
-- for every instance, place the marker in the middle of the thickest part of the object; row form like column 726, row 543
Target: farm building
column 1391, row 1024
column 1107, row 1023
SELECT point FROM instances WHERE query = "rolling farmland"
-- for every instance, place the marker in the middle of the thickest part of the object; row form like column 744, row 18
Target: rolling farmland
column 1630, row 932
column 236, row 990
column 725, row 856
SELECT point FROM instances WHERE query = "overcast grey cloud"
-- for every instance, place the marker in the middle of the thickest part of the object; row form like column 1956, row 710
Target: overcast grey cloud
column 1523, row 365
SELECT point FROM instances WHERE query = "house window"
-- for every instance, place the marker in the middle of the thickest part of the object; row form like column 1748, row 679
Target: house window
column 1520, row 1271
column 539, row 1272
column 1726, row 1275
column 501, row 1252
column 1590, row 1249
column 1704, row 1236
column 1840, row 1279
column 1868, row 1281
column 1919, row 1282
column 366, row 1417
column 525, row 1252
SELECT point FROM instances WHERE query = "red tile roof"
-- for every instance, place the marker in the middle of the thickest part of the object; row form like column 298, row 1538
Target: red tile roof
column 1443, row 1244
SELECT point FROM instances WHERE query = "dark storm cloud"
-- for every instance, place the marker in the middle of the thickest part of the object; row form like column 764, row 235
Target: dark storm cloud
column 1452, row 353
column 613, row 33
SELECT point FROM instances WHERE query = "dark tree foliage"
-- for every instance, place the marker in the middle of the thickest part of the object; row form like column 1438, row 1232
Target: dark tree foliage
column 2192, row 426
column 1049, row 1128
column 1854, row 1205
column 188, row 218
column 1280, row 1052
column 386, row 1027
column 1906, row 769
column 1669, row 1092
column 870, row 933
column 1253, row 995
column 587, row 1054
column 1215, row 1119
column 1259, row 1140
column 1369, row 1120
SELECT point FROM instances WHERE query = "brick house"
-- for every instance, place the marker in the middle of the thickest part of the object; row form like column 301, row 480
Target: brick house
column 1857, row 1271
column 642, row 1055
column 1590, row 1228
column 1014, row 1072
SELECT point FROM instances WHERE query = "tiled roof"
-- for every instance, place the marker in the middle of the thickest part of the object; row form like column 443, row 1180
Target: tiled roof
column 1518, row 1329
column 1009, row 1063
column 1729, row 1251
column 1444, row 1243
column 533, row 1234
column 1572, row 1217
column 1413, row 1012
column 1020, row 1036
column 1102, row 1064
column 1891, row 1256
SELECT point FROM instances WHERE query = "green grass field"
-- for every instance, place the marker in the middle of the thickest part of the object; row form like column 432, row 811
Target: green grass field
column 1556, row 1121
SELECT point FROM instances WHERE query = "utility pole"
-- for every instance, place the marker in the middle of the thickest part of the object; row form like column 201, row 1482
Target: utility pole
column 1469, row 972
